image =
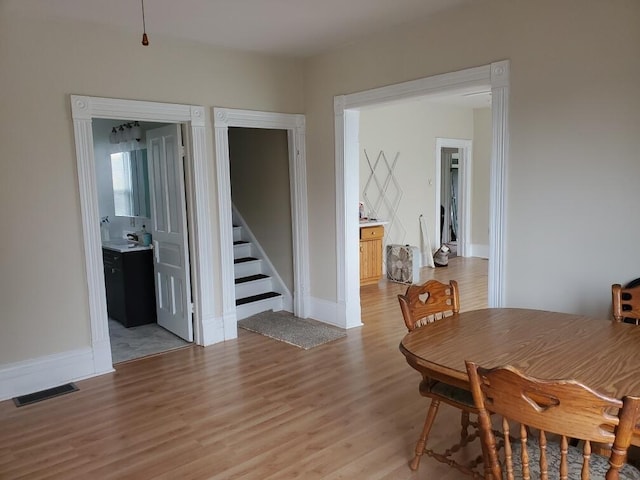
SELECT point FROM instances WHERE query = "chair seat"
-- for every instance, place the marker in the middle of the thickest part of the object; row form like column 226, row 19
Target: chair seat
column 598, row 465
column 458, row 396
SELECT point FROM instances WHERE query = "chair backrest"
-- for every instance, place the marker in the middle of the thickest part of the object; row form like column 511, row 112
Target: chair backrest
column 626, row 303
column 564, row 408
column 428, row 302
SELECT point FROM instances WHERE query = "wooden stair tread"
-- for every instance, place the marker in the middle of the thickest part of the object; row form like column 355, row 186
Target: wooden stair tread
column 244, row 259
column 251, row 278
column 256, row 298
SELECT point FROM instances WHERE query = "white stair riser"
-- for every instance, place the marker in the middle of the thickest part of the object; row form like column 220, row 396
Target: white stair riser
column 246, row 269
column 255, row 287
column 237, row 234
column 244, row 311
column 242, row 250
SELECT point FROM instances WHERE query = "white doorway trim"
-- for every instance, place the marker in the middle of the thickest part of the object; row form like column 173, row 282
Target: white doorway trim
column 495, row 76
column 84, row 109
column 294, row 124
column 464, row 193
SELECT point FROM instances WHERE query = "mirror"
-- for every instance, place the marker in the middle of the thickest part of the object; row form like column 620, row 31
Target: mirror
column 130, row 177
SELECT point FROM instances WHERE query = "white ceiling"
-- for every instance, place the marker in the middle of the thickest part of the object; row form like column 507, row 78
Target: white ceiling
column 283, row 27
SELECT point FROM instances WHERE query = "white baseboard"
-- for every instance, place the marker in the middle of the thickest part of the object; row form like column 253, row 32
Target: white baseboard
column 218, row 329
column 102, row 361
column 37, row 374
column 477, row 250
column 230, row 322
column 332, row 313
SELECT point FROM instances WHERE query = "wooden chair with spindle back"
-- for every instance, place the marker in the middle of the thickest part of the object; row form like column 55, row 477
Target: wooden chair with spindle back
column 420, row 305
column 562, row 409
column 626, row 303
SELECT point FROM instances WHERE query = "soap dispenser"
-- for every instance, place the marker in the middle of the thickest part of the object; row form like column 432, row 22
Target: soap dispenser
column 144, row 237
column 104, row 229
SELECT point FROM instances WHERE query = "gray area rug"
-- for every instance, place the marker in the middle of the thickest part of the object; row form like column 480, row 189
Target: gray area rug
column 136, row 342
column 284, row 326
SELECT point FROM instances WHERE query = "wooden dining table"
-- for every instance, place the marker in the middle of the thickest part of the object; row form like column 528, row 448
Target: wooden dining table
column 597, row 352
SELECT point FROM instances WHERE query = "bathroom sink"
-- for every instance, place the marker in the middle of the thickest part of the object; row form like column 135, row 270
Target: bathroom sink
column 118, row 242
column 123, row 245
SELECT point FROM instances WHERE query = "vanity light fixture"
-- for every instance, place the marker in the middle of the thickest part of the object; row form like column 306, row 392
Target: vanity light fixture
column 145, row 39
column 127, row 132
column 136, row 131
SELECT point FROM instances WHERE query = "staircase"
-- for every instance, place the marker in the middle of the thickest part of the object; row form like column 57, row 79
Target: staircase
column 253, row 286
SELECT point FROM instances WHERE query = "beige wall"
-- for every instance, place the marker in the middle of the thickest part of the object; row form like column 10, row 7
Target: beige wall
column 43, row 293
column 480, row 177
column 259, row 163
column 410, row 130
column 574, row 116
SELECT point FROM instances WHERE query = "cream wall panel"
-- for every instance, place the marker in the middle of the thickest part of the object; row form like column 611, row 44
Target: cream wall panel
column 409, row 129
column 574, row 116
column 43, row 289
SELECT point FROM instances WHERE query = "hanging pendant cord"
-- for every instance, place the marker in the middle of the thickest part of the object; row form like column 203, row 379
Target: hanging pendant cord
column 145, row 40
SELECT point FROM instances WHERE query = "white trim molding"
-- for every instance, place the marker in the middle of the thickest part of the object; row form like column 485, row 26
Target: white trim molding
column 84, row 109
column 328, row 312
column 347, row 122
column 494, row 76
column 498, row 187
column 294, row 124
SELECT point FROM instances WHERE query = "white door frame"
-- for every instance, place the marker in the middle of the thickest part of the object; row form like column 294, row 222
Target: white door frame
column 346, row 111
column 464, row 191
column 206, row 328
column 294, row 124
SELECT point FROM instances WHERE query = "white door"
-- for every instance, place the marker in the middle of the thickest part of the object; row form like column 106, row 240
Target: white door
column 169, row 230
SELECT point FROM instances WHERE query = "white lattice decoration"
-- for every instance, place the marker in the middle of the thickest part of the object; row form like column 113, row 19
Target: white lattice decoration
column 382, row 194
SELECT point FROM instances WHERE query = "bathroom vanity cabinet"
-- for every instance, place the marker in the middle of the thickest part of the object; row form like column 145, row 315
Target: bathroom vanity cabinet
column 129, row 283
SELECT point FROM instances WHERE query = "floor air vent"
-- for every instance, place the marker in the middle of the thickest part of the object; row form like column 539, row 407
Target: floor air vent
column 23, row 400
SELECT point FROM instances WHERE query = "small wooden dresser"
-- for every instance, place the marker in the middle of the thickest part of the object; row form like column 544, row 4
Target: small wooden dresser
column 371, row 238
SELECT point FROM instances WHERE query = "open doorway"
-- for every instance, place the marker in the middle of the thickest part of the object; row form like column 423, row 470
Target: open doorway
column 207, row 327
column 261, row 197
column 453, row 191
column 141, row 199
column 449, row 196
column 294, row 125
column 494, row 77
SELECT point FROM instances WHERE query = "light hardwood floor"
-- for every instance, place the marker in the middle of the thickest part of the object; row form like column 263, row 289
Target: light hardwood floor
column 252, row 408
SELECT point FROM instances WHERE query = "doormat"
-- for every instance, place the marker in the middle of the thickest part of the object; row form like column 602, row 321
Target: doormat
column 284, row 326
column 23, row 400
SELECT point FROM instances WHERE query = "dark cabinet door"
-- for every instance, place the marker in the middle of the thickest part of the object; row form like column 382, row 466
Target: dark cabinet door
column 129, row 284
column 114, row 283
